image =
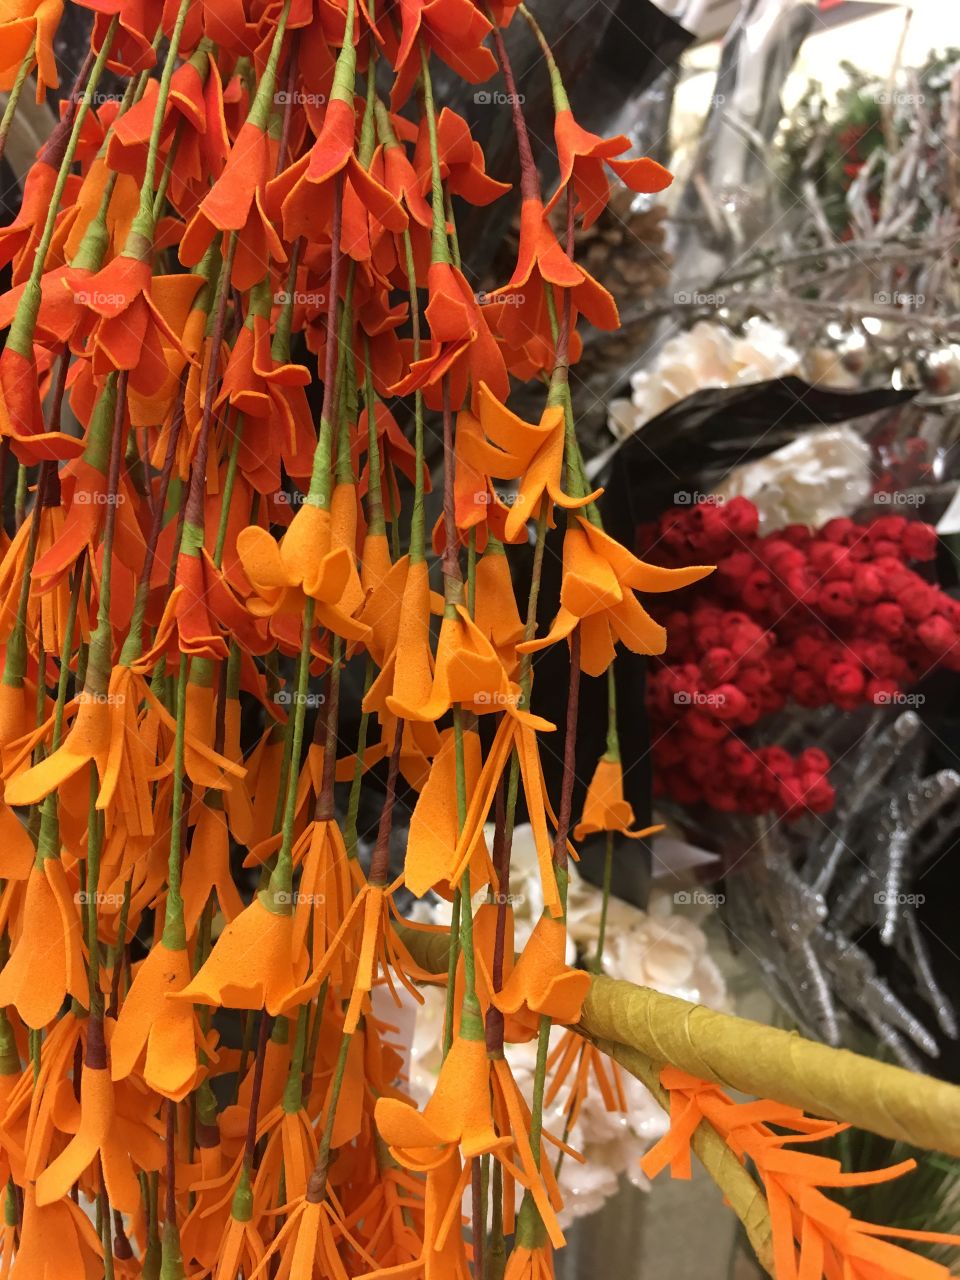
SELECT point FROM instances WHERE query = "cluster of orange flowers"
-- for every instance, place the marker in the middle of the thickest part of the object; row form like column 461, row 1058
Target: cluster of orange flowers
column 251, row 192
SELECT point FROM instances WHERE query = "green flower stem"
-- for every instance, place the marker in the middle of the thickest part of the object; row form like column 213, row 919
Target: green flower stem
column 356, row 784
column 13, row 98
column 344, row 78
column 174, row 931
column 277, row 896
column 440, row 246
column 143, row 224
column 20, row 337
column 317, row 1182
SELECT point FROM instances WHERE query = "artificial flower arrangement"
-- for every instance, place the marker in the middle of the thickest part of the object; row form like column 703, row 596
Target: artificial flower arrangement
column 835, row 616
column 272, row 173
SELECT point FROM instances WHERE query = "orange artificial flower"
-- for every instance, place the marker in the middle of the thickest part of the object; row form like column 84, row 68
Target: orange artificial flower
column 496, row 612
column 56, row 1239
column 604, row 808
column 254, row 963
column 534, row 1263
column 26, row 22
column 831, row 1240
column 519, row 309
column 597, row 594
column 308, row 1244
column 278, row 429
column 202, row 610
column 102, row 1137
column 49, row 926
column 541, row 983
column 462, row 347
column 307, row 191
column 455, row 30
column 166, row 1031
column 582, row 156
column 462, row 165
column 430, row 861
column 573, row 1050
column 207, row 869
column 519, row 450
column 235, row 202
column 305, row 563
column 194, row 116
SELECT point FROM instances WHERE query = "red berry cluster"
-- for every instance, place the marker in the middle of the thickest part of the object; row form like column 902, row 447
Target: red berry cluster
column 832, row 616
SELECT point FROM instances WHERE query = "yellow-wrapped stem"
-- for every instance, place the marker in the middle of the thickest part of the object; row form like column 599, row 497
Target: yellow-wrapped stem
column 767, row 1063
column 761, row 1061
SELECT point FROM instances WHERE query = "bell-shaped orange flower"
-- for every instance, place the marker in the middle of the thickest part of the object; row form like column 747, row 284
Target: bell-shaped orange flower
column 307, row 190
column 462, row 165
column 26, row 22
column 305, row 563
column 519, row 309
column 49, row 927
column 582, row 156
column 541, row 983
column 604, row 808
column 102, row 1134
column 56, row 1239
column 496, row 611
column 277, row 426
column 454, row 30
column 457, row 1114
column 141, row 316
column 597, row 594
column 532, row 454
column 434, row 826
column 165, row 1031
column 254, row 963
column 462, row 346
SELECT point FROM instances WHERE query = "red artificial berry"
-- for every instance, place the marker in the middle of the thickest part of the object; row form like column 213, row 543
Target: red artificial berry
column 705, row 727
column 882, row 692
column 741, row 517
column 754, row 678
column 778, row 761
column 813, row 760
column 752, row 711
column 718, row 664
column 799, row 583
column 886, row 529
column 936, row 634
column 918, row 602
column 746, row 639
column 824, row 555
column 727, row 702
column 781, row 556
column 888, row 618
column 840, row 529
column 757, row 590
column 734, row 568
column 867, row 584
column 836, row 600
column 806, row 649
column 845, row 682
column 740, row 760
column 919, row 541
column 818, row 794
column 796, row 534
